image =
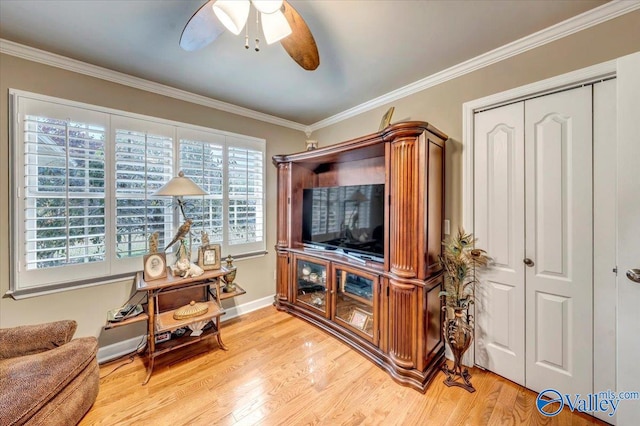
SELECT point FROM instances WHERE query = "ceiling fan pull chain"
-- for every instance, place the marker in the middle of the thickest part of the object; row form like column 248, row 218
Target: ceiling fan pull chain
column 257, row 31
column 246, row 37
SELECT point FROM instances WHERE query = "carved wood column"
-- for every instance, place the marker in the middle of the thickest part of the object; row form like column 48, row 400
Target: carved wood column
column 282, row 276
column 284, row 200
column 403, row 307
column 403, row 208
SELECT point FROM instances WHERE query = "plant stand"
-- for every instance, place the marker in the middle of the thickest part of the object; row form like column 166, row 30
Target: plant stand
column 458, row 333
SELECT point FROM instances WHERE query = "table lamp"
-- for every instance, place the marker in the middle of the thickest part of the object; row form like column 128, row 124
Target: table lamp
column 178, row 187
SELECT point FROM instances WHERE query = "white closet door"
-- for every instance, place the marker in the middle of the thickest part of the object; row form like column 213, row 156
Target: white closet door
column 559, row 242
column 499, row 228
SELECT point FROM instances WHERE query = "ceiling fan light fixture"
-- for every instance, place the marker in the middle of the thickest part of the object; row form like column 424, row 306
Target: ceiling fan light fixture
column 267, row 6
column 232, row 13
column 275, row 27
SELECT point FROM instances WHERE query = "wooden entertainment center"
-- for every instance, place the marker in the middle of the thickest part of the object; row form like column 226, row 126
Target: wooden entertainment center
column 386, row 307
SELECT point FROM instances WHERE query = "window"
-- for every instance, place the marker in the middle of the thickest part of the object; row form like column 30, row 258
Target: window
column 83, row 206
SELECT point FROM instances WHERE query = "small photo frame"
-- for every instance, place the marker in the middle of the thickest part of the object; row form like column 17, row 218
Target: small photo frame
column 209, row 257
column 155, row 266
column 386, row 118
column 359, row 318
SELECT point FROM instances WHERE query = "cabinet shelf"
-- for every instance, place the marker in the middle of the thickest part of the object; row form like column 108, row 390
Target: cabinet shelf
column 166, row 322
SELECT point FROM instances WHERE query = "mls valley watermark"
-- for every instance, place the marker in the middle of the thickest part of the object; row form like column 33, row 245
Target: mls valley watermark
column 550, row 402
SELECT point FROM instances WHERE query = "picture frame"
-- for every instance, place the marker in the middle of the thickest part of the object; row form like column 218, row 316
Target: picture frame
column 209, row 257
column 155, row 266
column 386, row 118
column 359, row 318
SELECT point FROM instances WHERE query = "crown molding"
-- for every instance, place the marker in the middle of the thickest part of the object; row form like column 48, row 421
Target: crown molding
column 59, row 61
column 565, row 28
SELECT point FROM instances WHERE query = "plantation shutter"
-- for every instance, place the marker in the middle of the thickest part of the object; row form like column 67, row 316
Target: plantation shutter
column 231, row 171
column 143, row 163
column 201, row 159
column 61, row 193
column 245, row 220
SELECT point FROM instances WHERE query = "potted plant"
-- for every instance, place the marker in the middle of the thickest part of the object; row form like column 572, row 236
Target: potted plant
column 460, row 261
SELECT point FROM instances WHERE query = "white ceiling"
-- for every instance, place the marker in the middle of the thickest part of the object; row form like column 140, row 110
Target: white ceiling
column 367, row 48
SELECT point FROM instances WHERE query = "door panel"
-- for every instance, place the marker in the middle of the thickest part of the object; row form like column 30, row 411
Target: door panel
column 559, row 240
column 499, row 229
column 552, row 327
column 550, row 184
column 628, row 213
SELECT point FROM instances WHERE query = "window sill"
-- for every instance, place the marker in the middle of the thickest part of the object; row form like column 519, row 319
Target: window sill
column 68, row 286
column 75, row 285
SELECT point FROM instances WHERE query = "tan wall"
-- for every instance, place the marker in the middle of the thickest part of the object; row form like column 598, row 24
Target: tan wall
column 89, row 305
column 441, row 105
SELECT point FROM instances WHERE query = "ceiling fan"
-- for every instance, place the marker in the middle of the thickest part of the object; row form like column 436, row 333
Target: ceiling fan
column 280, row 22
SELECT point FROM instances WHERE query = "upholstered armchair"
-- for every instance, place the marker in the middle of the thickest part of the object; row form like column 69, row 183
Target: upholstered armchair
column 45, row 377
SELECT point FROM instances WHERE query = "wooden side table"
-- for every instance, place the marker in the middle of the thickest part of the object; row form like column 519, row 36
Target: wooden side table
column 165, row 296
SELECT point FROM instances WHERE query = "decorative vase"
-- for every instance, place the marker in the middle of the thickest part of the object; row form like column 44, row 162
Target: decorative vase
column 230, row 276
column 458, row 333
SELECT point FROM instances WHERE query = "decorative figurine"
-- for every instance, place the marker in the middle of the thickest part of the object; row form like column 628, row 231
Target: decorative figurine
column 183, row 231
column 153, row 243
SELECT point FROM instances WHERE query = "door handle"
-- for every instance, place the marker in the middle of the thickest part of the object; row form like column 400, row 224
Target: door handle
column 528, row 262
column 634, row 275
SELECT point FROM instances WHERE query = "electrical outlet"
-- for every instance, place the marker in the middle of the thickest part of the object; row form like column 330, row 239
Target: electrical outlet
column 447, row 227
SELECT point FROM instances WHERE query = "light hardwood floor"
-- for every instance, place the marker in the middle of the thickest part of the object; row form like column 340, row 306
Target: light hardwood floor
column 282, row 371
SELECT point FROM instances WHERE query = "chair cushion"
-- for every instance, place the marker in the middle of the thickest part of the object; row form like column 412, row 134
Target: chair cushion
column 31, row 339
column 36, row 379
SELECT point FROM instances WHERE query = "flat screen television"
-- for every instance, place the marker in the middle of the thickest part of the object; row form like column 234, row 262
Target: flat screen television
column 350, row 218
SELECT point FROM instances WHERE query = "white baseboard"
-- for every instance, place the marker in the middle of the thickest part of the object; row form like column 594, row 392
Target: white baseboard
column 119, row 349
column 245, row 308
column 125, row 347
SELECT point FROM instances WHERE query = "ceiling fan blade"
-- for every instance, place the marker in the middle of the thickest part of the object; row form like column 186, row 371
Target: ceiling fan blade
column 300, row 45
column 202, row 28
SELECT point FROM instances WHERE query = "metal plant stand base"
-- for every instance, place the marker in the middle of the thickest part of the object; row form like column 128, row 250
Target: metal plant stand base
column 453, row 375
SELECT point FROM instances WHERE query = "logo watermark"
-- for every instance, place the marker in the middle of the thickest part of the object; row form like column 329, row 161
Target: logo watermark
column 550, row 402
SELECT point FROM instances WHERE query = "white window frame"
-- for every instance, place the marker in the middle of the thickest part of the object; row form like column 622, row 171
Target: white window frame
column 25, row 283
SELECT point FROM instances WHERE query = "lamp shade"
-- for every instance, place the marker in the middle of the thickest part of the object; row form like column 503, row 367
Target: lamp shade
column 232, row 13
column 180, row 185
column 275, row 27
column 358, row 196
column 267, row 6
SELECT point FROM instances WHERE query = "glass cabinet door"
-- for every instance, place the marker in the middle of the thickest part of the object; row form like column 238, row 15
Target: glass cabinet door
column 355, row 302
column 311, row 283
